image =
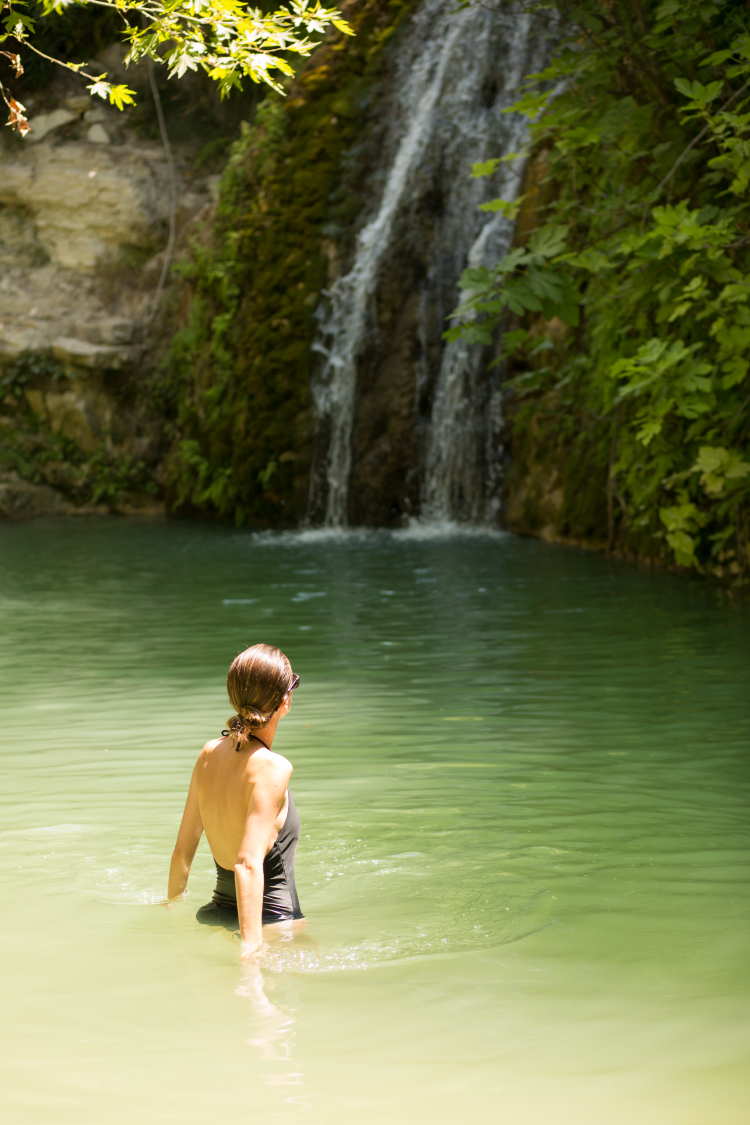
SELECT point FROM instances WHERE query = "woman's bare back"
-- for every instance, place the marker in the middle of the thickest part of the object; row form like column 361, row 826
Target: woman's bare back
column 226, row 780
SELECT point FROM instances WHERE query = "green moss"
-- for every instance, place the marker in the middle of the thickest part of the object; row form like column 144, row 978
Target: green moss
column 36, row 454
column 237, row 375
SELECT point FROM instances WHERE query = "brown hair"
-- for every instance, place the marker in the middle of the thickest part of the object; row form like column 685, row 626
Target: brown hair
column 257, row 683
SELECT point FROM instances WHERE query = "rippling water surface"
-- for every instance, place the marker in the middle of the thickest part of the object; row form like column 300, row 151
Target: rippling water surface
column 523, row 778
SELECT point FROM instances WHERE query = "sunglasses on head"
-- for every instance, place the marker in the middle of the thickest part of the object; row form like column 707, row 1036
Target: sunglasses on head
column 294, row 683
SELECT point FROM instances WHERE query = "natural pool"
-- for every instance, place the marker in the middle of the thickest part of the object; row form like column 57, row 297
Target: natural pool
column 523, row 777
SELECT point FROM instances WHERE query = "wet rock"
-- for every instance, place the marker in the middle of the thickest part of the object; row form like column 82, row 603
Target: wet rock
column 534, row 501
column 21, row 500
column 151, row 508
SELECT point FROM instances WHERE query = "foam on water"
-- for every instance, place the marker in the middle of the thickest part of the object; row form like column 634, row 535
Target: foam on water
column 415, row 530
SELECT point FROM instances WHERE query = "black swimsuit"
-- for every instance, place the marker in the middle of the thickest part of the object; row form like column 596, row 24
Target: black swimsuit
column 280, row 902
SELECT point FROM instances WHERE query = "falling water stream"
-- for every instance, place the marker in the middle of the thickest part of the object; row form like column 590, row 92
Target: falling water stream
column 462, row 471
column 350, row 295
column 454, row 78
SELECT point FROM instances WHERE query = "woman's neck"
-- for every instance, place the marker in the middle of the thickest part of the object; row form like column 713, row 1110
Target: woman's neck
column 266, row 734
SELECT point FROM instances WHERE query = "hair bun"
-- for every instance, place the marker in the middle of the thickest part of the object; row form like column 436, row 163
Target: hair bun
column 236, row 728
column 240, row 726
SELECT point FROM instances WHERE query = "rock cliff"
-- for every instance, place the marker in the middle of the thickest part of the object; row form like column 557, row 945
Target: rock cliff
column 84, row 210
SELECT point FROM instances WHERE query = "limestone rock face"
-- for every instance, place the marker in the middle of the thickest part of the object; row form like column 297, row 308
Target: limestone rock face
column 87, row 200
column 84, row 353
column 84, row 214
column 84, row 415
column 45, row 123
column 21, row 500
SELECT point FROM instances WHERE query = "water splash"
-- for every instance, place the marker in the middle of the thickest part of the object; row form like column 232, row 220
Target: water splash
column 439, row 935
column 414, row 530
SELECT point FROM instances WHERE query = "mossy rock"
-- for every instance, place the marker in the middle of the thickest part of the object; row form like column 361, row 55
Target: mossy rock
column 236, row 379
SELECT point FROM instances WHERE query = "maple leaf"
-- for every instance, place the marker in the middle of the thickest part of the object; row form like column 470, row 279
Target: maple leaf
column 100, row 87
column 15, row 62
column 17, row 119
column 121, row 96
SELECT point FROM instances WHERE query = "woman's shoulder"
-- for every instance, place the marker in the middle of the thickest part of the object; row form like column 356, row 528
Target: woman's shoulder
column 211, row 745
column 267, row 763
column 208, row 749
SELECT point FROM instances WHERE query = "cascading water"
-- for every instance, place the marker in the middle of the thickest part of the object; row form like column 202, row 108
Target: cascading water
column 454, row 74
column 462, row 471
column 346, row 324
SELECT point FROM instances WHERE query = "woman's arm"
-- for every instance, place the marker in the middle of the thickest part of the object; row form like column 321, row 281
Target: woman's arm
column 188, row 838
column 266, row 801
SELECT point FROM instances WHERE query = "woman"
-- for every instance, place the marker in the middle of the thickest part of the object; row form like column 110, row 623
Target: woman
column 239, row 794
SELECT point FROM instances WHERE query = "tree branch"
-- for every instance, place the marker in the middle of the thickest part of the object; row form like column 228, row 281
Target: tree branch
column 700, row 137
column 172, row 194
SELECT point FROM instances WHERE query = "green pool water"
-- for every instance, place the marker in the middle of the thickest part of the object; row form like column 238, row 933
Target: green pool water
column 522, row 774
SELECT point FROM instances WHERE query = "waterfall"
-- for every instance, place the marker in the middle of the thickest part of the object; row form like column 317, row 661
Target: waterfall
column 462, row 471
column 454, row 73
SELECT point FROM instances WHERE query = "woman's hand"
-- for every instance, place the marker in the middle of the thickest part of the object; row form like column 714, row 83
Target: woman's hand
column 251, row 950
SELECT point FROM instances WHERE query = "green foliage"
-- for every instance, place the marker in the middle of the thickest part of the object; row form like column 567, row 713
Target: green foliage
column 640, row 140
column 237, row 375
column 223, row 38
column 28, row 367
column 521, row 282
column 80, row 32
column 40, row 456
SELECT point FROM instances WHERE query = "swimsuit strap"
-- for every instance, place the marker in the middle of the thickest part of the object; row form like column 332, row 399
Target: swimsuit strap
column 228, row 733
column 260, row 740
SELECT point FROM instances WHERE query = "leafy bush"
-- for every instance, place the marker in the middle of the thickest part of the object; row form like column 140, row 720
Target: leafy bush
column 640, row 142
column 25, row 369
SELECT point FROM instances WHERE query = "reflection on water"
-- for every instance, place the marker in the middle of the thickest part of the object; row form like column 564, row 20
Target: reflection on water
column 276, row 1028
column 522, row 776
